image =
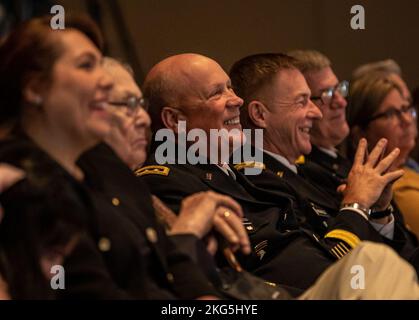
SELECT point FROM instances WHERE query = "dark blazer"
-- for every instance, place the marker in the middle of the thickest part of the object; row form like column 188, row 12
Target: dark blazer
column 282, row 246
column 318, row 206
column 124, row 252
column 333, row 171
column 315, row 206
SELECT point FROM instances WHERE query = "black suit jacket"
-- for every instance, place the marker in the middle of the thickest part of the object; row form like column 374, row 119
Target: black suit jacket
column 123, row 252
column 333, row 171
column 137, row 237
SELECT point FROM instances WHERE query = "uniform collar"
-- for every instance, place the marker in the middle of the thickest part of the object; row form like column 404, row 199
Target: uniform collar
column 333, row 152
column 227, row 170
column 283, row 160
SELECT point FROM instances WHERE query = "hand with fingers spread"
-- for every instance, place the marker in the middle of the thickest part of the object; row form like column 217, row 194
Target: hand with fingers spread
column 370, row 176
column 205, row 211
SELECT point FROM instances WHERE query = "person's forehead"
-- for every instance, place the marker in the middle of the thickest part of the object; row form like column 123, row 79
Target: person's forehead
column 290, row 83
column 400, row 82
column 393, row 99
column 322, row 79
column 76, row 43
column 124, row 83
column 206, row 74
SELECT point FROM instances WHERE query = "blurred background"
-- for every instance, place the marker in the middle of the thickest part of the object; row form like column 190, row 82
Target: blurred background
column 142, row 32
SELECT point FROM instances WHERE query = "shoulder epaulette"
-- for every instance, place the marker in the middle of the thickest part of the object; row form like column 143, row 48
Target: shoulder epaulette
column 348, row 241
column 155, row 169
column 250, row 164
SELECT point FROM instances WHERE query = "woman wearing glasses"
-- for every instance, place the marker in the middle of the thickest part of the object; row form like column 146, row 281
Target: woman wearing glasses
column 379, row 109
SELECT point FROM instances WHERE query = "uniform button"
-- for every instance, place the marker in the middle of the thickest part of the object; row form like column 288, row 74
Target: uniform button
column 335, row 166
column 115, row 202
column 104, row 244
column 170, row 277
column 151, row 235
column 325, row 224
column 249, row 228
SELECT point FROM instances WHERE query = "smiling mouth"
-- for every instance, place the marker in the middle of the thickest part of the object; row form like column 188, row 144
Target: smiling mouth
column 233, row 121
column 100, row 105
column 141, row 142
column 305, row 130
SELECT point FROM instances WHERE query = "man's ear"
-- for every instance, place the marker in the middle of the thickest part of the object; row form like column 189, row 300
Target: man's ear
column 171, row 116
column 257, row 113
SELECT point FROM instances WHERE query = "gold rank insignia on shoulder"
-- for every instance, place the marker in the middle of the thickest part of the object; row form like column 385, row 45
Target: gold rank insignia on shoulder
column 250, row 164
column 340, row 250
column 347, row 237
column 301, row 160
column 159, row 170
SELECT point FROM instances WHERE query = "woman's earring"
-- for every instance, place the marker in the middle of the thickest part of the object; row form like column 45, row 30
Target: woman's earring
column 37, row 101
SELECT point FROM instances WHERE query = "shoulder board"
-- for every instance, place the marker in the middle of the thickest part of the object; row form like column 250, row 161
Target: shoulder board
column 250, row 164
column 159, row 170
column 348, row 237
column 301, row 160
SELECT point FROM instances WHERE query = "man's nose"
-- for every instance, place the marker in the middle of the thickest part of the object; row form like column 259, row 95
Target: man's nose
column 314, row 111
column 142, row 119
column 105, row 80
column 234, row 100
column 339, row 101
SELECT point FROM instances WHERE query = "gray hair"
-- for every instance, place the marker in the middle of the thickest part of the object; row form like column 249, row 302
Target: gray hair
column 310, row 60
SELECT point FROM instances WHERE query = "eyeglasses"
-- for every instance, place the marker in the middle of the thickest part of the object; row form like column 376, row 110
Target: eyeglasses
column 326, row 96
column 132, row 103
column 394, row 113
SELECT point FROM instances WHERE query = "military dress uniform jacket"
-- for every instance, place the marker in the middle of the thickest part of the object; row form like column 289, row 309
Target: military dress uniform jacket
column 122, row 253
column 333, row 171
column 282, row 248
column 314, row 206
column 317, row 207
column 126, row 223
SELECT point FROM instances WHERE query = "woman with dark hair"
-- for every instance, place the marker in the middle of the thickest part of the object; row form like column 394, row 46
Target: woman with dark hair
column 54, row 95
column 378, row 109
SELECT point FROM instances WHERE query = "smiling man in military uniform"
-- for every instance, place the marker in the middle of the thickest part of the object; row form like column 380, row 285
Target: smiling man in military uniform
column 277, row 99
column 195, row 88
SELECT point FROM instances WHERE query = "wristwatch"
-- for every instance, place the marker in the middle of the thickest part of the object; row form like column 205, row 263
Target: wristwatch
column 381, row 214
column 365, row 212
